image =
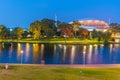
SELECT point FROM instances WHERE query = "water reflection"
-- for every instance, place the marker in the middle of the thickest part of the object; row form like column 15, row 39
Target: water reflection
column 89, row 55
column 60, row 54
column 73, row 53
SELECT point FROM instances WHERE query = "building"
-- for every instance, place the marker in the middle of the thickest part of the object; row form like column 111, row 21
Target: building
column 90, row 25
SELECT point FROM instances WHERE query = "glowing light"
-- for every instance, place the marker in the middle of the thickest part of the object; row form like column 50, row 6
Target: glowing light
column 104, row 30
column 11, row 29
column 84, row 49
column 35, row 51
column 27, row 51
column 94, row 23
column 64, row 52
column 60, row 45
column 111, row 47
column 18, row 49
column 21, row 51
column 96, row 47
column 42, row 50
column 84, row 53
column 90, row 54
column 72, row 54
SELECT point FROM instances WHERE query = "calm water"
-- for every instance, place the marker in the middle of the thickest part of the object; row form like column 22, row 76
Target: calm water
column 59, row 54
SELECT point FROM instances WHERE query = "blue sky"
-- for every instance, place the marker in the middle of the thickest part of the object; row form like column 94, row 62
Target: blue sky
column 21, row 13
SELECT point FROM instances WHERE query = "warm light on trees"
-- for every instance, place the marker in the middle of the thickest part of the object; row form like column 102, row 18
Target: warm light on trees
column 35, row 28
column 18, row 32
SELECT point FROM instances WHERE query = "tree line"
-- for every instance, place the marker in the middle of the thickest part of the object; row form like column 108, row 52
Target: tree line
column 47, row 28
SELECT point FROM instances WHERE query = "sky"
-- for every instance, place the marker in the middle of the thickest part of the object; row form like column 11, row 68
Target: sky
column 14, row 13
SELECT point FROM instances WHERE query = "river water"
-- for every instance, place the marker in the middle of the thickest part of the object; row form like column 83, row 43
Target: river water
column 26, row 53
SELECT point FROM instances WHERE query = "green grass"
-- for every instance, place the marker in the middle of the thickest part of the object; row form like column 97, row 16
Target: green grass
column 58, row 73
column 57, row 40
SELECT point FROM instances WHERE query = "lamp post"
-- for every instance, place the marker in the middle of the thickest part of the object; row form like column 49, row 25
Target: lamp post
column 21, row 55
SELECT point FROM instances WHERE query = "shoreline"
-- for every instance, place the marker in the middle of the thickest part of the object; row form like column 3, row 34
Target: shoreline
column 62, row 42
column 68, row 65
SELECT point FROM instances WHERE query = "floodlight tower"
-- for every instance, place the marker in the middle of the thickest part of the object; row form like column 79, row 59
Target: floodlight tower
column 109, row 20
column 56, row 24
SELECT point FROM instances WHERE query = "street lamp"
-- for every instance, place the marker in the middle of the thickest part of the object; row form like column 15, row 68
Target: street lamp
column 21, row 55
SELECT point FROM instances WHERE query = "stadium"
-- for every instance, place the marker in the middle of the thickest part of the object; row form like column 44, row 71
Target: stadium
column 90, row 25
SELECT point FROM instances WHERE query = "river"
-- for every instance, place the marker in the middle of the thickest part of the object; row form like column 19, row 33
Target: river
column 27, row 53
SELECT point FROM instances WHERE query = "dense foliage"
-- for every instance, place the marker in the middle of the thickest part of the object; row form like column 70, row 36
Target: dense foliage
column 47, row 28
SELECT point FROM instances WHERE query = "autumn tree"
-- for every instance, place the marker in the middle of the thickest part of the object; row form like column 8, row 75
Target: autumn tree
column 17, row 32
column 76, row 26
column 4, row 32
column 35, row 28
column 65, row 29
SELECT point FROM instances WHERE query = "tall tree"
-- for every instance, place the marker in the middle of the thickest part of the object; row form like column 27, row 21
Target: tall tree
column 76, row 26
column 35, row 28
column 4, row 32
column 65, row 29
column 48, row 28
column 84, row 32
column 17, row 32
column 114, row 29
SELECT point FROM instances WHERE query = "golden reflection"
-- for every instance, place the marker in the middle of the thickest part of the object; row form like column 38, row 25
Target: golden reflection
column 90, row 54
column 27, row 52
column 84, row 49
column 84, row 53
column 0, row 48
column 54, row 49
column 42, row 50
column 111, row 47
column 35, row 51
column 116, row 40
column 2, row 45
column 19, row 48
column 60, row 45
column 64, row 52
column 96, row 47
column 73, row 54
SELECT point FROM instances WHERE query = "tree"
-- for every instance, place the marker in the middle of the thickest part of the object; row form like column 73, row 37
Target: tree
column 84, row 32
column 65, row 29
column 106, row 35
column 17, row 32
column 97, row 34
column 114, row 29
column 76, row 26
column 4, row 32
column 48, row 27
column 35, row 28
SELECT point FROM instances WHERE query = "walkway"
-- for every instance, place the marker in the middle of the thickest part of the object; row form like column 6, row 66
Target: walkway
column 72, row 66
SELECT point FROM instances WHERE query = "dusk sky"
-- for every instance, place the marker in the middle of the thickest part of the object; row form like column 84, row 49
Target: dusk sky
column 21, row 13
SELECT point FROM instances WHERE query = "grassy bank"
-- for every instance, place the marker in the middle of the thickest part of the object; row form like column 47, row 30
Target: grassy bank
column 59, row 40
column 58, row 73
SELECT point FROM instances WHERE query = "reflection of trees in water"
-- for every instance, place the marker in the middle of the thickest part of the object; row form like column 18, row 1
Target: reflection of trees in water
column 106, row 54
column 60, row 53
column 36, row 54
column 48, row 55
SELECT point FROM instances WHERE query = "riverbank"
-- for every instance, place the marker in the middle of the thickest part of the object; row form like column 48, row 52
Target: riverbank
column 57, row 41
column 69, row 65
column 57, row 72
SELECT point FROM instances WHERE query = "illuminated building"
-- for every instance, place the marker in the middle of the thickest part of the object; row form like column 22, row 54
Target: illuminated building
column 90, row 25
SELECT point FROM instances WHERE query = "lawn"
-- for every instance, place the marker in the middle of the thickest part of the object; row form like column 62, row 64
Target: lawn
column 58, row 73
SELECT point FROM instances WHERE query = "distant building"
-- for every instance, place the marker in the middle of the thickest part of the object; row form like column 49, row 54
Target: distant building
column 90, row 25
